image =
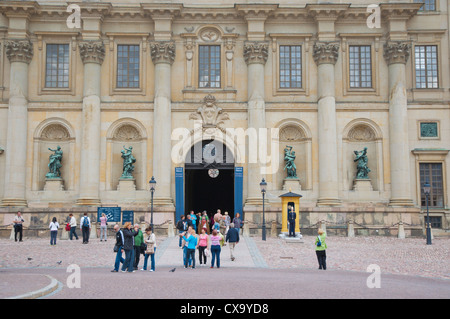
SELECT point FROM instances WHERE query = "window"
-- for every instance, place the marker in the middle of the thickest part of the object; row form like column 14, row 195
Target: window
column 290, row 66
column 435, row 221
column 209, row 66
column 128, row 66
column 57, row 66
column 360, row 65
column 426, row 66
column 432, row 173
column 428, row 5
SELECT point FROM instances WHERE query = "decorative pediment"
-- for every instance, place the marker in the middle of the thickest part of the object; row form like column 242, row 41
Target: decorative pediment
column 211, row 115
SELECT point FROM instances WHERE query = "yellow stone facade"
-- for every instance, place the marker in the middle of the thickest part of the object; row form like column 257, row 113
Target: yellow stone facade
column 324, row 120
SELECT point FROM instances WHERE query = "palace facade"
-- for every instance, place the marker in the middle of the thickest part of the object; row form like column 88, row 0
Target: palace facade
column 175, row 81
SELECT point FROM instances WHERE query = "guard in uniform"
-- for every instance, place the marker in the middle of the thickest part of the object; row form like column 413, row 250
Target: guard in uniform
column 291, row 219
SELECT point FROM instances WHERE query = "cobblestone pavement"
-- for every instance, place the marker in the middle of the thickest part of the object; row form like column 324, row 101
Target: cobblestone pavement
column 259, row 264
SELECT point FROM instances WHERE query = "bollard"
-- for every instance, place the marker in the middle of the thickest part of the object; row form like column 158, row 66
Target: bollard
column 323, row 226
column 170, row 230
column 273, row 229
column 93, row 231
column 64, row 234
column 350, row 229
column 401, row 231
column 12, row 233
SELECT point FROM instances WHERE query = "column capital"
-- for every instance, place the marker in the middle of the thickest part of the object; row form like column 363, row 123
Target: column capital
column 326, row 52
column 19, row 50
column 397, row 51
column 162, row 52
column 92, row 52
column 256, row 52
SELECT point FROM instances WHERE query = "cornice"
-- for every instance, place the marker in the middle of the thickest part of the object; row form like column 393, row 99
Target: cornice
column 400, row 10
column 326, row 11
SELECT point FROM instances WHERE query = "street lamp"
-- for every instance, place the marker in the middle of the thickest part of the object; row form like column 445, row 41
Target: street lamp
column 426, row 191
column 263, row 186
column 152, row 183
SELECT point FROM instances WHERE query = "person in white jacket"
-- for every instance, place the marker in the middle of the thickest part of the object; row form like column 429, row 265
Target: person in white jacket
column 53, row 231
column 73, row 227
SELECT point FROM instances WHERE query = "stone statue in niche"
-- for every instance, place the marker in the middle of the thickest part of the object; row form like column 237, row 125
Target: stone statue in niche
column 362, row 171
column 54, row 164
column 128, row 161
column 289, row 158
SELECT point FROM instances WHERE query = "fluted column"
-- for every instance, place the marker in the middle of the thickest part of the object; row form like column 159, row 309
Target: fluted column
column 396, row 55
column 163, row 55
column 19, row 53
column 92, row 54
column 325, row 55
column 255, row 55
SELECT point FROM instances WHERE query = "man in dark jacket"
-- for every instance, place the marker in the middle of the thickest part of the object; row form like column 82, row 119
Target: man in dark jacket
column 118, row 247
column 233, row 239
column 182, row 226
column 291, row 219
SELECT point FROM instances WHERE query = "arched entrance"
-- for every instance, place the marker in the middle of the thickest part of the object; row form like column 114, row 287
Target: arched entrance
column 209, row 178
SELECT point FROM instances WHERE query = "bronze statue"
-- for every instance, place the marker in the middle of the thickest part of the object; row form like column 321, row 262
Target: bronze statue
column 289, row 158
column 128, row 161
column 361, row 167
column 54, row 164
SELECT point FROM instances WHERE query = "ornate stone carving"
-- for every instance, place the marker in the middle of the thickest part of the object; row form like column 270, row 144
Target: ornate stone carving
column 397, row 52
column 326, row 52
column 127, row 133
column 162, row 52
column 92, row 52
column 209, row 35
column 256, row 52
column 55, row 132
column 291, row 133
column 361, row 133
column 19, row 50
column 211, row 115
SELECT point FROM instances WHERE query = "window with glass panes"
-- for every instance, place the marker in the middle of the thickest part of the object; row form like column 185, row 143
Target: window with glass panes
column 426, row 65
column 209, row 66
column 360, row 66
column 432, row 173
column 290, row 66
column 428, row 5
column 128, row 66
column 57, row 66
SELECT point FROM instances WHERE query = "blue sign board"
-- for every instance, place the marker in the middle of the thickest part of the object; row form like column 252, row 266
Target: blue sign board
column 238, row 190
column 179, row 193
column 128, row 216
column 112, row 213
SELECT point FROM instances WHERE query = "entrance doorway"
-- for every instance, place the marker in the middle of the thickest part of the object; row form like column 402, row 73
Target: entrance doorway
column 209, row 179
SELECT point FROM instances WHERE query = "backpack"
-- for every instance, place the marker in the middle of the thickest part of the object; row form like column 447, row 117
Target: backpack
column 68, row 227
column 85, row 221
column 319, row 243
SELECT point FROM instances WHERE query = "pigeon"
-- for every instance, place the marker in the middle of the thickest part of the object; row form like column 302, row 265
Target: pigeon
column 172, row 270
column 59, row 262
column 29, row 258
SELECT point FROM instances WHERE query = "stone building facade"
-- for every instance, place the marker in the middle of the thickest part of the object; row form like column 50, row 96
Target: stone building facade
column 332, row 78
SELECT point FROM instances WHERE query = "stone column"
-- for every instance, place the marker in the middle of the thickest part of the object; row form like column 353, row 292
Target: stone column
column 325, row 55
column 255, row 55
column 396, row 54
column 163, row 55
column 92, row 54
column 19, row 53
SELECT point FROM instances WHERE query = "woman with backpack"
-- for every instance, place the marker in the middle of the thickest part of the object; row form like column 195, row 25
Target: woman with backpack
column 321, row 247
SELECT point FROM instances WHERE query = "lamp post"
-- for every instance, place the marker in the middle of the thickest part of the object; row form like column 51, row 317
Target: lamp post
column 426, row 191
column 263, row 186
column 152, row 183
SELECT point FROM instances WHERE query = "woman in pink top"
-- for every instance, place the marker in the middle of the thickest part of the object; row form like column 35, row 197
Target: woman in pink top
column 103, row 227
column 202, row 246
column 215, row 248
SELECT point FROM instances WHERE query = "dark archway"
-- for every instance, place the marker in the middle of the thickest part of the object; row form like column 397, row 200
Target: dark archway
column 209, row 178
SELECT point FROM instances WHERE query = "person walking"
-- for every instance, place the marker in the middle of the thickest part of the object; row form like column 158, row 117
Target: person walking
column 103, row 226
column 182, row 226
column 215, row 248
column 204, row 224
column 128, row 247
column 203, row 246
column 18, row 226
column 227, row 220
column 85, row 226
column 73, row 227
column 118, row 248
column 53, row 231
column 150, row 240
column 191, row 246
column 233, row 239
column 138, row 241
column 237, row 221
column 321, row 247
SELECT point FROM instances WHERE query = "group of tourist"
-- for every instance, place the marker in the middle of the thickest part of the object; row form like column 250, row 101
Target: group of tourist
column 213, row 235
